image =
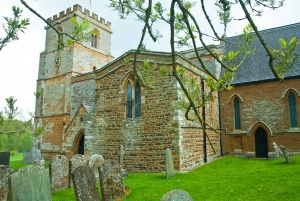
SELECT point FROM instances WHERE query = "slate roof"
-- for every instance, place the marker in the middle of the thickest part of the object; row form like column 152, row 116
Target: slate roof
column 256, row 67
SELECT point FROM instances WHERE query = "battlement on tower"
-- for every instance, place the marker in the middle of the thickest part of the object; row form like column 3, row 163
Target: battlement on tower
column 78, row 8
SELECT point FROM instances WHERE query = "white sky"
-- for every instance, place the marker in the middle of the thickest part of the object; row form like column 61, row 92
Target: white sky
column 19, row 60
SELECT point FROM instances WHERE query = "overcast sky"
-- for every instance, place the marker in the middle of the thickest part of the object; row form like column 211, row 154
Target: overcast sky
column 19, row 60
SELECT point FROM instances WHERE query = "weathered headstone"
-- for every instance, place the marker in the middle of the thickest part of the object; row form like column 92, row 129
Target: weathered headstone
column 277, row 151
column 84, row 183
column 169, row 163
column 31, row 156
column 177, row 195
column 59, row 172
column 120, row 154
column 30, row 183
column 111, row 182
column 5, row 171
column 4, row 158
column 285, row 153
column 76, row 161
column 94, row 163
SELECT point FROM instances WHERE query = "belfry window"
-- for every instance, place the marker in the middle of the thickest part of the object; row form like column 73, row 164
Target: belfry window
column 133, row 99
column 293, row 110
column 237, row 114
column 95, row 36
column 94, row 40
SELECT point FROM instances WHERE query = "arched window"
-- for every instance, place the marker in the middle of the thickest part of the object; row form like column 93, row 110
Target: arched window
column 237, row 115
column 137, row 100
column 94, row 38
column 292, row 110
column 133, row 99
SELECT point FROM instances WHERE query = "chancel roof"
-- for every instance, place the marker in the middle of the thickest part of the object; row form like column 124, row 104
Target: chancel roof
column 256, row 66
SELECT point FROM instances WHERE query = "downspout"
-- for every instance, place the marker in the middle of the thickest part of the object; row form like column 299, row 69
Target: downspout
column 220, row 124
column 204, row 119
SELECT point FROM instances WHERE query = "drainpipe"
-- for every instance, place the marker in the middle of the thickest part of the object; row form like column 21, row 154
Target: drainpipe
column 204, row 119
column 220, row 123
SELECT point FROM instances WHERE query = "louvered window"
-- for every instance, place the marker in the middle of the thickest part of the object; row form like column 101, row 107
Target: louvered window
column 293, row 111
column 237, row 115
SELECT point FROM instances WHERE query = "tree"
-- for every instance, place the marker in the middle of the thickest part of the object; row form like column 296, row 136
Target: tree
column 8, row 117
column 13, row 26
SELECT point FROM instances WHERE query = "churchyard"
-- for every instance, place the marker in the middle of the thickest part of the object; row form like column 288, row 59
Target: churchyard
column 227, row 178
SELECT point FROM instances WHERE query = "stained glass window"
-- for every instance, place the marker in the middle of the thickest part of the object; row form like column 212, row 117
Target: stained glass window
column 237, row 117
column 293, row 111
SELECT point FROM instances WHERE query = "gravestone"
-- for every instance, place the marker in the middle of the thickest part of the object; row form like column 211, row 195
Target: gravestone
column 285, row 154
column 4, row 158
column 31, row 156
column 30, row 183
column 84, row 183
column 111, row 182
column 94, row 163
column 59, row 172
column 76, row 161
column 278, row 152
column 120, row 154
column 169, row 163
column 177, row 195
column 5, row 171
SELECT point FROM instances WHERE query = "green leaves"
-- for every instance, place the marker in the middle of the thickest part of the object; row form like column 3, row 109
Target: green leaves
column 285, row 57
column 13, row 26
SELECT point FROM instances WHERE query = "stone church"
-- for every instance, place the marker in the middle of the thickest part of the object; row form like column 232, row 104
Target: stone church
column 90, row 102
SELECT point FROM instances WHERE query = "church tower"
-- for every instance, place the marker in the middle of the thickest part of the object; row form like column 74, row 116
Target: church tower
column 53, row 109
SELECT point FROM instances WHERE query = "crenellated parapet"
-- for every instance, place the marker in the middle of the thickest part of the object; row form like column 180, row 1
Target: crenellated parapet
column 78, row 8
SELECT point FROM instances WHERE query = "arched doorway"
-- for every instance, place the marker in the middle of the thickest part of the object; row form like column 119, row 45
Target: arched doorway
column 78, row 147
column 81, row 145
column 261, row 143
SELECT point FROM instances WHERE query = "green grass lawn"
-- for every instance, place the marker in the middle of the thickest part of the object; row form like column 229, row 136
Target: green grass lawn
column 228, row 178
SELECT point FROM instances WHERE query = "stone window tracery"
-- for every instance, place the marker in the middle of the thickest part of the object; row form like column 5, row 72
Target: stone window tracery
column 133, row 99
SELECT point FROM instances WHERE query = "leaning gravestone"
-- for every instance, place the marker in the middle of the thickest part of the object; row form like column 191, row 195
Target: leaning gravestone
column 278, row 152
column 84, row 183
column 59, row 172
column 169, row 163
column 30, row 183
column 76, row 161
column 177, row 195
column 5, row 171
column 4, row 158
column 94, row 163
column 285, row 154
column 111, row 182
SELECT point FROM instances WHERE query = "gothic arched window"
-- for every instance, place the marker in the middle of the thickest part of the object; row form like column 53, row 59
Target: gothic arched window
column 133, row 99
column 237, row 114
column 293, row 110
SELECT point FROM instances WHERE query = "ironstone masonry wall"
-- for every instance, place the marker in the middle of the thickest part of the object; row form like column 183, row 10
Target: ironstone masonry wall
column 262, row 104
